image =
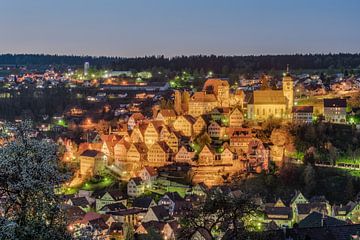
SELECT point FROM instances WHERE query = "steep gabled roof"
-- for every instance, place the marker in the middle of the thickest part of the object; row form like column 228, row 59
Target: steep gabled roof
column 99, row 223
column 80, row 201
column 190, row 119
column 137, row 116
column 142, row 202
column 116, row 194
column 160, row 212
column 141, row 147
column 152, row 172
column 273, row 212
column 164, row 147
column 116, row 227
column 90, row 153
column 118, row 206
column 174, row 196
column 136, row 180
column 316, row 219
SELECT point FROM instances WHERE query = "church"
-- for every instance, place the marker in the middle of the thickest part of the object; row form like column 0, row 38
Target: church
column 272, row 103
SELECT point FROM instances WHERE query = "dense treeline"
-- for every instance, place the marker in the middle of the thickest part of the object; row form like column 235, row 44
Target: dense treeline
column 228, row 64
column 42, row 59
column 218, row 64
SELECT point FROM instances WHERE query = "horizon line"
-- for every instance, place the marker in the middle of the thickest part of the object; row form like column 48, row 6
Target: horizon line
column 179, row 56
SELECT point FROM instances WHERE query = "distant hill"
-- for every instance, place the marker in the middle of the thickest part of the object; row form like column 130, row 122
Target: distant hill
column 218, row 64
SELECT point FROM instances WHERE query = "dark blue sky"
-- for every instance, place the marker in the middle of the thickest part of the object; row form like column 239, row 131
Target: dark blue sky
column 179, row 27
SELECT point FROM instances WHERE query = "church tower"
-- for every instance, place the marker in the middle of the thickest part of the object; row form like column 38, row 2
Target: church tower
column 288, row 89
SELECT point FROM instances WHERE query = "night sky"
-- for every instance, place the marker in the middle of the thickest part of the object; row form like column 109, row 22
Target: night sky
column 179, row 27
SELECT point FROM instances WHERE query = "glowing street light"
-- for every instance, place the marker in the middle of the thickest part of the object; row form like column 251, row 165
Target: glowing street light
column 88, row 121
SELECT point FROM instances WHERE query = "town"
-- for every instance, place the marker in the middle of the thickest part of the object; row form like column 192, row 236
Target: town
column 144, row 155
column 179, row 120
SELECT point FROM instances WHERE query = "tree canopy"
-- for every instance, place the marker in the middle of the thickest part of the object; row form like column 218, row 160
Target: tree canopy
column 29, row 174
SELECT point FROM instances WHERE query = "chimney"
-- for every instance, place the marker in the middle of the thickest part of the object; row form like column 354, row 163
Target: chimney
column 322, row 219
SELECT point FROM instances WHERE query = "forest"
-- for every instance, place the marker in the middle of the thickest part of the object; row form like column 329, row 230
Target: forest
column 217, row 64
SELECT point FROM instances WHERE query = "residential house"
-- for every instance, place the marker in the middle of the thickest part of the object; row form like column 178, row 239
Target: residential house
column 72, row 213
column 131, row 216
column 137, row 134
column 166, row 230
column 318, row 219
column 220, row 114
column 166, row 115
column 137, row 152
column 120, row 151
column 216, row 130
column 227, row 156
column 152, row 134
column 298, row 198
column 135, row 187
column 199, row 126
column 92, row 162
column 80, row 202
column 116, row 231
column 112, row 207
column 143, row 203
column 174, row 141
column 174, row 203
column 156, row 213
column 302, row 114
column 184, row 124
column 200, row 189
column 108, row 149
column 236, row 118
column 303, row 207
column 206, row 156
column 335, row 110
column 350, row 211
column 105, row 197
column 258, row 155
column 201, row 234
column 148, row 174
column 164, row 133
column 185, row 155
column 159, row 154
column 134, row 119
column 278, row 213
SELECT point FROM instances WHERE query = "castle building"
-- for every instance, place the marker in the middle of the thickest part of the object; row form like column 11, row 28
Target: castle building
column 220, row 88
column 201, row 103
column 215, row 93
